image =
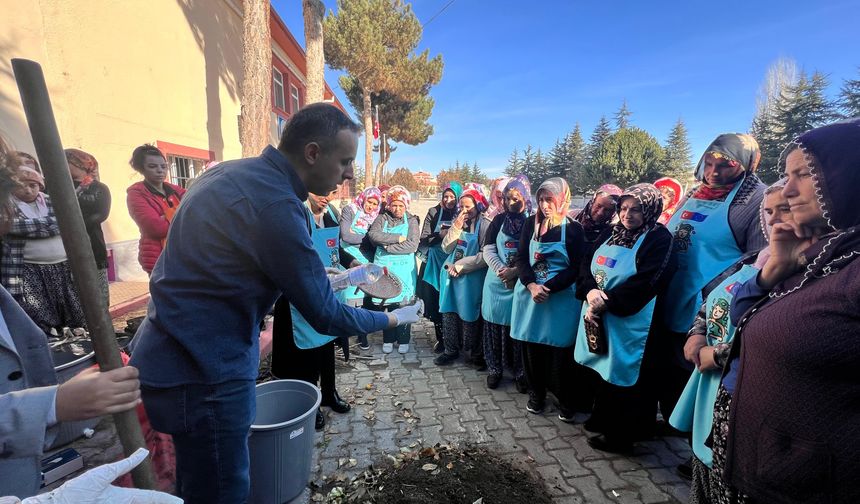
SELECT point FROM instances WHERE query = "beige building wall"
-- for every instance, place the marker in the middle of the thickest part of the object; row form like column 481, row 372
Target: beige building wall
column 126, row 72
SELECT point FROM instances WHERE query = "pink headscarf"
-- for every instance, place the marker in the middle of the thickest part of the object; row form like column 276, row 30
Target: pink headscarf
column 497, row 197
column 365, row 219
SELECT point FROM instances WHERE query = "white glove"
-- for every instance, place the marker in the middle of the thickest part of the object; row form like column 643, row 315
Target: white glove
column 94, row 487
column 409, row 314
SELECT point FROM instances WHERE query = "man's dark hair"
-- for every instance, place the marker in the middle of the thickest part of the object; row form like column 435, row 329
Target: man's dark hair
column 318, row 122
column 140, row 153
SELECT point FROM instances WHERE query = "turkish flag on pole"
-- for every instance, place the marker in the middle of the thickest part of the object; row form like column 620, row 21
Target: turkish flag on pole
column 376, row 124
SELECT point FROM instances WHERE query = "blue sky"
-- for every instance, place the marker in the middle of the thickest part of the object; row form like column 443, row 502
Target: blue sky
column 519, row 72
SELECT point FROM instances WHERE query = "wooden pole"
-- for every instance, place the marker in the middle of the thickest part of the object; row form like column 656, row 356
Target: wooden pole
column 46, row 139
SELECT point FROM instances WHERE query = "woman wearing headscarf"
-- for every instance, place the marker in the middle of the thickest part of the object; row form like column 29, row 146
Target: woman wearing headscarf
column 791, row 430
column 496, row 199
column 716, row 224
column 550, row 249
column 597, row 215
column 620, row 281
column 707, row 347
column 94, row 200
column 672, row 191
column 462, row 280
column 395, row 234
column 355, row 221
column 499, row 250
column 436, row 224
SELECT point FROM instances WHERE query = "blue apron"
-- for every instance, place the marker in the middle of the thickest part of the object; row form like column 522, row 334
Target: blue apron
column 695, row 409
column 552, row 322
column 400, row 265
column 497, row 300
column 326, row 242
column 705, row 247
column 626, row 336
column 352, row 293
column 435, row 255
column 462, row 295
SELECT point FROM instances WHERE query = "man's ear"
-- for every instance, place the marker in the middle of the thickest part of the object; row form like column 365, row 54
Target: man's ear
column 312, row 153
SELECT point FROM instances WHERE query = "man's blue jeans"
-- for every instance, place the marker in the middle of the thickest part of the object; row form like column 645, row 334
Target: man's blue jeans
column 210, row 426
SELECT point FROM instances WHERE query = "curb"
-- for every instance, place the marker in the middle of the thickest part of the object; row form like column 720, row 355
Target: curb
column 128, row 306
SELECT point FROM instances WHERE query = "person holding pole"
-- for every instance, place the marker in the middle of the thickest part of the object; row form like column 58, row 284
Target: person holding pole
column 238, row 241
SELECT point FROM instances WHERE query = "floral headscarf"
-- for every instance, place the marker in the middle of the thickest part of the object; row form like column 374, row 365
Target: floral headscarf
column 677, row 189
column 86, row 162
column 513, row 223
column 738, row 150
column 481, row 188
column 398, row 193
column 559, row 191
column 365, row 219
column 476, row 196
column 497, row 197
column 589, row 225
column 651, row 201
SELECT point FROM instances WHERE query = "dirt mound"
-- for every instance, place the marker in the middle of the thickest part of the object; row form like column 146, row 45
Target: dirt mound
column 440, row 475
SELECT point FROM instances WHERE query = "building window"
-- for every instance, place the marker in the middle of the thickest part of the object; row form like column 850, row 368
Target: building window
column 294, row 99
column 278, row 83
column 183, row 169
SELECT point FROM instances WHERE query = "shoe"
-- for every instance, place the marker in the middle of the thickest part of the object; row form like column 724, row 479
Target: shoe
column 387, row 347
column 365, row 346
column 602, row 443
column 445, row 359
column 403, row 348
column 535, row 406
column 493, row 381
column 336, row 403
column 522, row 385
column 439, row 347
column 566, row 416
column 685, row 469
column 320, row 421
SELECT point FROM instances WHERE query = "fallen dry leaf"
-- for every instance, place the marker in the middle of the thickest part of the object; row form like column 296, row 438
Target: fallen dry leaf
column 429, row 467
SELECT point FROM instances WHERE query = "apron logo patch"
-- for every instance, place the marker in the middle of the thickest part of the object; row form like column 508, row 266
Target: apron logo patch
column 541, row 270
column 693, row 216
column 606, row 261
column 600, row 279
column 718, row 320
column 683, row 238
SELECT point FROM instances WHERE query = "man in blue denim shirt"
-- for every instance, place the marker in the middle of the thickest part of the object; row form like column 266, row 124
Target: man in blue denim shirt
column 238, row 241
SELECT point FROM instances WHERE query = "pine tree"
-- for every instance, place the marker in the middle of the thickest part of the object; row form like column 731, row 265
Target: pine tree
column 622, row 117
column 577, row 151
column 594, row 175
column 558, row 163
column 629, row 156
column 849, row 98
column 540, row 167
column 678, row 164
column 515, row 165
column 528, row 164
column 775, row 91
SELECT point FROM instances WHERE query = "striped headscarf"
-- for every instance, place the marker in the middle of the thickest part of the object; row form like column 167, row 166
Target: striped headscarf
column 559, row 191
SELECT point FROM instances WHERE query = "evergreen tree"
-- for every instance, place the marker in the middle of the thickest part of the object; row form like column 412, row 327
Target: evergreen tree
column 577, row 152
column 677, row 161
column 528, row 164
column 558, row 163
column 515, row 165
column 774, row 92
column 594, row 174
column 849, row 98
column 622, row 117
column 540, row 167
column 628, row 157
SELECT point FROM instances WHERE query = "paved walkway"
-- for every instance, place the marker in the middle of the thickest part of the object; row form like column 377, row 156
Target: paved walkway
column 127, row 296
column 400, row 400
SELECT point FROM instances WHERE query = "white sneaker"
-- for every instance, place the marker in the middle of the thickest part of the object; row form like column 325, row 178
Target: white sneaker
column 387, row 347
column 403, row 348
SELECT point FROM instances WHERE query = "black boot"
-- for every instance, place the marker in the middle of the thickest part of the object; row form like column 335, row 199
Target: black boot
column 320, row 421
column 334, row 401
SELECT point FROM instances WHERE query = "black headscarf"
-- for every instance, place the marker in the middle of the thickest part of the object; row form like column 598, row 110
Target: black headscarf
column 651, row 201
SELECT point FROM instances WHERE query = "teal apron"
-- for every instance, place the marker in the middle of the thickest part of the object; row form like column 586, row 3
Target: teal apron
column 435, row 255
column 462, row 294
column 695, row 409
column 705, row 247
column 551, row 322
column 326, row 242
column 400, row 265
column 626, row 336
column 352, row 293
column 497, row 300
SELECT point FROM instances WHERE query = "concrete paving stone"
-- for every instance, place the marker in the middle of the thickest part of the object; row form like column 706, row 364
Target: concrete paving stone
column 431, row 435
column 445, row 405
column 568, row 499
column 385, row 440
column 436, row 379
column 648, row 492
column 626, row 464
column 504, row 441
column 585, row 452
column 493, row 420
column 333, row 445
column 557, row 443
column 676, row 444
column 385, row 404
column 424, row 400
column 476, row 432
column 681, row 491
column 588, row 487
column 469, row 412
column 663, row 475
column 485, row 402
column 570, row 465
column 545, row 432
column 652, row 445
column 522, row 430
column 328, row 465
column 455, row 382
column 606, row 476
column 535, row 449
column 461, row 395
column 648, row 461
column 440, row 390
column 451, row 424
column 671, row 459
column 336, row 424
column 427, row 416
column 556, row 484
column 510, row 409
column 421, row 386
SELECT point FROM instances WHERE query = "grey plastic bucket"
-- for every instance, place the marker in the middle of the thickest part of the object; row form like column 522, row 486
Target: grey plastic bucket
column 282, row 440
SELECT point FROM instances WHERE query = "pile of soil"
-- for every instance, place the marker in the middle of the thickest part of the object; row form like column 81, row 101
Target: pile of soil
column 441, row 475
